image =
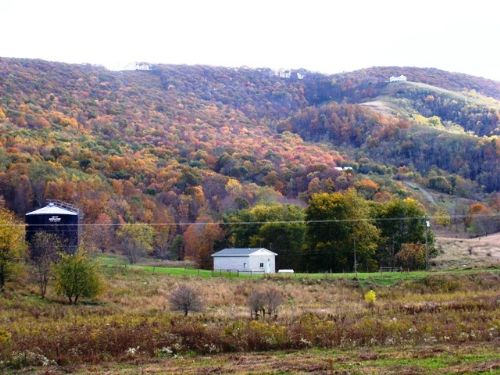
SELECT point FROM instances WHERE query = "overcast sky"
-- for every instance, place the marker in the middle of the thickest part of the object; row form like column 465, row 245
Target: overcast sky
column 326, row 36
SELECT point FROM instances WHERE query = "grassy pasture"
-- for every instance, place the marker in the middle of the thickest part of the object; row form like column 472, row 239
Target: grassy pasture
column 421, row 323
column 365, row 278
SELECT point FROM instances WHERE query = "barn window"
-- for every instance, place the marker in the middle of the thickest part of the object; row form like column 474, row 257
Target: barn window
column 244, row 265
column 262, row 265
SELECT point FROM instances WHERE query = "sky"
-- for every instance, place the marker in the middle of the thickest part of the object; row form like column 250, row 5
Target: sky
column 320, row 35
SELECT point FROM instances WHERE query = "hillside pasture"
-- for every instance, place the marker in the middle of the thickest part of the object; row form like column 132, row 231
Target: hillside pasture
column 468, row 252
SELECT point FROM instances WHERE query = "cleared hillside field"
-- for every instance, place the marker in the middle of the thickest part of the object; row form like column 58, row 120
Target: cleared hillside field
column 468, row 252
column 436, row 321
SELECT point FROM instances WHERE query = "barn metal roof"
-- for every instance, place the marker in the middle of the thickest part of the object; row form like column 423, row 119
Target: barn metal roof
column 52, row 209
column 240, row 252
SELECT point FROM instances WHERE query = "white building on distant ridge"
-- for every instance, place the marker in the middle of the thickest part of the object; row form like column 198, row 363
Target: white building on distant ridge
column 401, row 78
column 343, row 169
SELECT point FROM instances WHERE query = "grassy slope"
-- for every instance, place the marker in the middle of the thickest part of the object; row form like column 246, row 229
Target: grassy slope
column 390, row 104
column 470, row 252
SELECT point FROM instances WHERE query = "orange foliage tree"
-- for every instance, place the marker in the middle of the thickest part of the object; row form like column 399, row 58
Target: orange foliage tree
column 199, row 241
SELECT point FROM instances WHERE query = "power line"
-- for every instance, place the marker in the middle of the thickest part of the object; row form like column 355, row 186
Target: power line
column 407, row 218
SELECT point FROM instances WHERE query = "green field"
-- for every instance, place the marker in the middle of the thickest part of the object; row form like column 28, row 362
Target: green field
column 365, row 278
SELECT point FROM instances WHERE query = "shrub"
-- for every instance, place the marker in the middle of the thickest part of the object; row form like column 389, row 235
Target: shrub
column 411, row 256
column 255, row 302
column 5, row 339
column 437, row 283
column 44, row 249
column 265, row 336
column 370, row 297
column 185, row 299
column 265, row 301
column 77, row 276
column 28, row 358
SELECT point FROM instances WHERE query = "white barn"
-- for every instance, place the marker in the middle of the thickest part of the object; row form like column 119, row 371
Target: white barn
column 245, row 260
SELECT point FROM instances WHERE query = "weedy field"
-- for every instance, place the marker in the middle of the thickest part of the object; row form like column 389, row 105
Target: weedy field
column 419, row 323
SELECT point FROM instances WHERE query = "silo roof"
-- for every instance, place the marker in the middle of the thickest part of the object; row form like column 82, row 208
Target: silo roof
column 52, row 209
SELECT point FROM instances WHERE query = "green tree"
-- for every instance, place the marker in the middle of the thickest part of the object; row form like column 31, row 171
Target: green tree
column 77, row 276
column 136, row 240
column 337, row 224
column 175, row 249
column 279, row 227
column 12, row 246
column 401, row 221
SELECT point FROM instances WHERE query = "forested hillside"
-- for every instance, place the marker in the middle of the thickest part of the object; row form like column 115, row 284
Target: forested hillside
column 179, row 144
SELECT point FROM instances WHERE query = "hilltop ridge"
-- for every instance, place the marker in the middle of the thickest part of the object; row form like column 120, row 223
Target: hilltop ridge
column 177, row 141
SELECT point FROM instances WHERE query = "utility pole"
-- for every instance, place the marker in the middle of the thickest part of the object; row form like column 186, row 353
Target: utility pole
column 427, row 225
column 392, row 253
column 355, row 260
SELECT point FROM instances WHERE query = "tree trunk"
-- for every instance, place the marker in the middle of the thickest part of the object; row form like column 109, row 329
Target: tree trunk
column 43, row 290
column 2, row 277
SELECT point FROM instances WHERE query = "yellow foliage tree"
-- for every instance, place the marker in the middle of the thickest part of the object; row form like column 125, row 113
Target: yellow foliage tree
column 443, row 217
column 12, row 245
column 2, row 115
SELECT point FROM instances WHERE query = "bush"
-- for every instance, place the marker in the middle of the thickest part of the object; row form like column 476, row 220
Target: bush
column 411, row 256
column 370, row 297
column 44, row 252
column 185, row 299
column 263, row 301
column 77, row 276
column 5, row 339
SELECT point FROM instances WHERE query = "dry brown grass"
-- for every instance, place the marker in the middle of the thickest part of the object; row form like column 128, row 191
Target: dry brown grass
column 316, row 313
column 408, row 360
column 469, row 252
column 137, row 292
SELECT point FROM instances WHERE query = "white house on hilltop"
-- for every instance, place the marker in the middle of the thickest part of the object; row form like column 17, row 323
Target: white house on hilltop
column 245, row 260
column 401, row 78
